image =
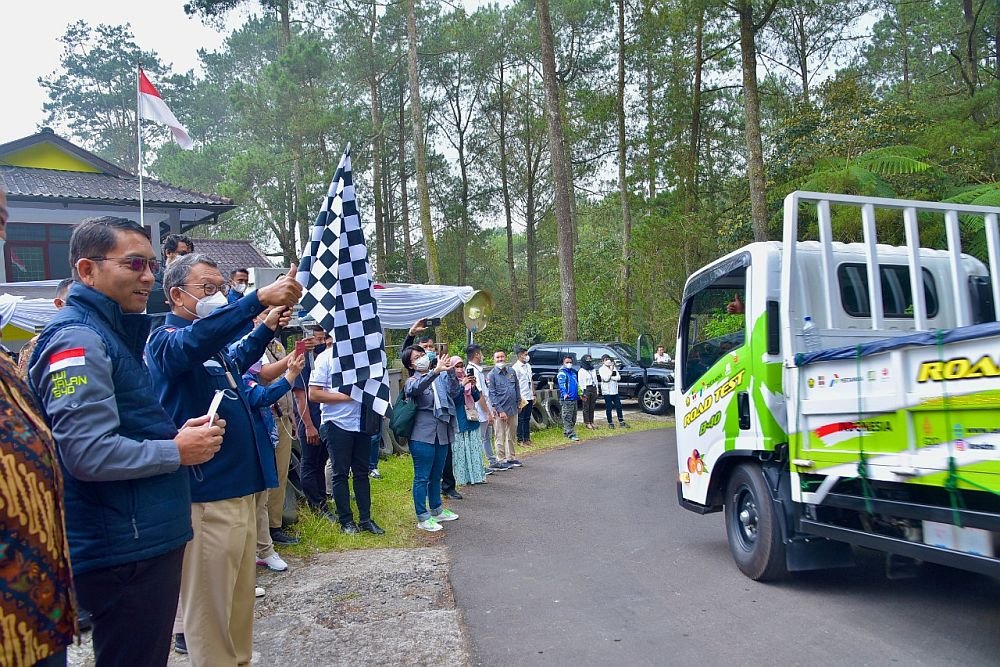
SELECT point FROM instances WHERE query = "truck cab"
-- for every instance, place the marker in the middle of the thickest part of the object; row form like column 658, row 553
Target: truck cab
column 814, row 378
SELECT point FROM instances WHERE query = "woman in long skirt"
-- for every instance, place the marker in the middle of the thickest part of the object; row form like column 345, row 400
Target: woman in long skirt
column 467, row 446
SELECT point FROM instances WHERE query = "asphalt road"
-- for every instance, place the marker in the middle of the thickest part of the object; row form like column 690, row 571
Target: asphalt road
column 583, row 557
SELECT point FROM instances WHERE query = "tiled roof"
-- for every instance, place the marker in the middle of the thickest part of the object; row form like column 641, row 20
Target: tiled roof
column 232, row 254
column 54, row 184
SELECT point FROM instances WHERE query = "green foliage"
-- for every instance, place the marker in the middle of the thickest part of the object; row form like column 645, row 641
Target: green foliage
column 722, row 324
column 891, row 115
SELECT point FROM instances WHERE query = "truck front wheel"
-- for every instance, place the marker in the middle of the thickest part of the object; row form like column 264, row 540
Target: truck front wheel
column 752, row 525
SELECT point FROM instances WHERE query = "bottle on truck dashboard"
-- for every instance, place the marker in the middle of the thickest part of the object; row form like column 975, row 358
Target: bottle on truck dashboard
column 809, row 335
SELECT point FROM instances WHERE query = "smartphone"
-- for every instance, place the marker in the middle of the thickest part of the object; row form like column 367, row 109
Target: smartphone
column 470, row 372
column 432, row 321
column 300, row 347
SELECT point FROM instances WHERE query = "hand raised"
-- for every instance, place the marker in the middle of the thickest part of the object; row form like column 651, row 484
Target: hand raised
column 274, row 315
column 296, row 362
column 285, row 291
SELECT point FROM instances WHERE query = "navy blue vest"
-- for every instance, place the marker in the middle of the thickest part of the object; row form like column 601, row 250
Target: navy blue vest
column 111, row 523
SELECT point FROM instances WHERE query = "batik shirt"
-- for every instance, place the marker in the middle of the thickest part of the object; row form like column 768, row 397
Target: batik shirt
column 37, row 615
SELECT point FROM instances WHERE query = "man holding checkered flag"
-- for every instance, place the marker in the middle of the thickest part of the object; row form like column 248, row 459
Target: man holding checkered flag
column 350, row 379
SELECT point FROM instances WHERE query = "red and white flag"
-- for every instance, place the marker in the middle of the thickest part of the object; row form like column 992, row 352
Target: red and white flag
column 71, row 357
column 152, row 107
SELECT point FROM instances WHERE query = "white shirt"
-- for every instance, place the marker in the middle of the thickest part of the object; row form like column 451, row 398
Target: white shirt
column 609, row 387
column 586, row 379
column 346, row 414
column 522, row 372
column 484, row 415
column 661, row 358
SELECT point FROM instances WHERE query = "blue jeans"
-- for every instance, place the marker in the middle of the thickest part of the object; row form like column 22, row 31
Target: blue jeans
column 613, row 401
column 376, row 445
column 428, row 464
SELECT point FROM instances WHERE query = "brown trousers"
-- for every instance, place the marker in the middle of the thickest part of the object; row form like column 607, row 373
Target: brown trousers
column 217, row 583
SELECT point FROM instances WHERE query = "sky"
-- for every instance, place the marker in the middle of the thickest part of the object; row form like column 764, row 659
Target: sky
column 30, row 30
column 29, row 34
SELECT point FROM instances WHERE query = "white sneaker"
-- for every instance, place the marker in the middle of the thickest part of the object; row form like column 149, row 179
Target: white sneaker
column 430, row 525
column 446, row 515
column 258, row 592
column 273, row 562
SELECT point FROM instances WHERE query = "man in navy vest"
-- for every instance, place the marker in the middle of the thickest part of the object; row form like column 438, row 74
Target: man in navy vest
column 190, row 362
column 128, row 503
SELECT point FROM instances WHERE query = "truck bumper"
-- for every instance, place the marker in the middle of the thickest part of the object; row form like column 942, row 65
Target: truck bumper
column 692, row 506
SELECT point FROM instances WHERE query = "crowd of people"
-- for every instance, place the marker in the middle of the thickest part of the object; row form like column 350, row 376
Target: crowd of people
column 147, row 443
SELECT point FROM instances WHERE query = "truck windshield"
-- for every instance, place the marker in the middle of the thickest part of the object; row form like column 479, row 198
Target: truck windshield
column 715, row 324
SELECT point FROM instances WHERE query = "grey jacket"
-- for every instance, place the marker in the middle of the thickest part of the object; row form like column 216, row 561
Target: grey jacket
column 503, row 390
column 427, row 427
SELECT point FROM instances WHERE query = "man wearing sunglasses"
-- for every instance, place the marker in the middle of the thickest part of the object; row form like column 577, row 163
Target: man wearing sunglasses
column 127, row 496
column 190, row 361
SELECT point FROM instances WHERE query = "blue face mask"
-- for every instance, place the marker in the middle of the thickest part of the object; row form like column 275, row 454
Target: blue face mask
column 432, row 357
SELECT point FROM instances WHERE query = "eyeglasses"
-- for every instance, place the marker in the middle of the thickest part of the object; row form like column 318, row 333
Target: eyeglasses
column 137, row 264
column 209, row 288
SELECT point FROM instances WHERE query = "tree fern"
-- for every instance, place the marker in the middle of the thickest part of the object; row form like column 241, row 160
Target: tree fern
column 973, row 226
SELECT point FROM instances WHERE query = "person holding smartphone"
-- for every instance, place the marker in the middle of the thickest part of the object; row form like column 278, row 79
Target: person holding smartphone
column 431, row 388
column 466, row 448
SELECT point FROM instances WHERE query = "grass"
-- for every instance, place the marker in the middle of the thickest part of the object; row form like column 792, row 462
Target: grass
column 392, row 498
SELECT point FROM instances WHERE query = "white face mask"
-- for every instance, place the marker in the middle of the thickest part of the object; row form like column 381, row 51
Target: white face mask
column 422, row 364
column 569, row 365
column 209, row 304
column 609, row 363
column 501, row 365
column 240, row 288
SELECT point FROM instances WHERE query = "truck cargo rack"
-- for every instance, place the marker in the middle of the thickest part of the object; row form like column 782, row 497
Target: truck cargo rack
column 957, row 290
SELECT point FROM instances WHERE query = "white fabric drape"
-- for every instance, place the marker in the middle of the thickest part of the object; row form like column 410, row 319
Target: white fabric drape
column 400, row 305
column 27, row 314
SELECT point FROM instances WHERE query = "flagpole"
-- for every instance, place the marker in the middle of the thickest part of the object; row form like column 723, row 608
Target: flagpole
column 138, row 135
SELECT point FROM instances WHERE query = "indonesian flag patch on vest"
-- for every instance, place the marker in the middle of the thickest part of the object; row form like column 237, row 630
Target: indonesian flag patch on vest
column 71, row 357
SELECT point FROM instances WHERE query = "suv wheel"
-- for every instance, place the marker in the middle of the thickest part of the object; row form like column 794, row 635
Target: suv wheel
column 654, row 400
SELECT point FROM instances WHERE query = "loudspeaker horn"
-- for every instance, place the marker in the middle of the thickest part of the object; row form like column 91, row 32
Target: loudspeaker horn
column 477, row 311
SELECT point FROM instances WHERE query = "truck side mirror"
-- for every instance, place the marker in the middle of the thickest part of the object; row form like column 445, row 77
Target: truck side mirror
column 644, row 345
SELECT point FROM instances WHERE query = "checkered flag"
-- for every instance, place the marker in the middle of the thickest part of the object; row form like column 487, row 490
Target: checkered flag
column 335, row 277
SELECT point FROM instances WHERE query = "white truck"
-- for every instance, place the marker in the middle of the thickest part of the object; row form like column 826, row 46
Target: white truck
column 833, row 394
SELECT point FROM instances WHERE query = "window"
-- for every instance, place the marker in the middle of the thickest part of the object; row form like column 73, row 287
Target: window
column 37, row 251
column 598, row 352
column 897, row 298
column 545, row 356
column 575, row 351
column 714, row 324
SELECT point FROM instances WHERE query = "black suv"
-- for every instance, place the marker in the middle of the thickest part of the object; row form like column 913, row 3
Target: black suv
column 654, row 396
